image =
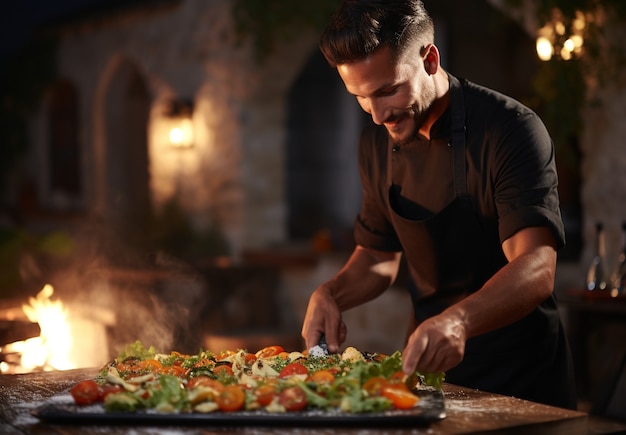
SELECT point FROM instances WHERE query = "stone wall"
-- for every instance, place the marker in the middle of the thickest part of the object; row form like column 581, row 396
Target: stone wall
column 233, row 177
column 603, row 174
column 603, row 170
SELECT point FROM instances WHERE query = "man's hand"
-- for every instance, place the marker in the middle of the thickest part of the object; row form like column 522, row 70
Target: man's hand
column 436, row 345
column 366, row 274
column 323, row 317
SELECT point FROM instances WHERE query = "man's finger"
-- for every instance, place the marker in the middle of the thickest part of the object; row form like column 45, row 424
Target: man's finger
column 334, row 332
column 412, row 353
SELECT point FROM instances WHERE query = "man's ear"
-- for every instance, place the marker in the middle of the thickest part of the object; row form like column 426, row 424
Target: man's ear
column 430, row 54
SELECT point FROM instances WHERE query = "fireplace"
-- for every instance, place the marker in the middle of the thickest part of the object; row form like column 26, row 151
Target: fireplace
column 44, row 333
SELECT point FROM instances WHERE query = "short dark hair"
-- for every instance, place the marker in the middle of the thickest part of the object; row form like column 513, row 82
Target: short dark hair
column 360, row 27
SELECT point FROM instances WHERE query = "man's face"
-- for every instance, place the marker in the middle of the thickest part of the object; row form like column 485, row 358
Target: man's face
column 397, row 93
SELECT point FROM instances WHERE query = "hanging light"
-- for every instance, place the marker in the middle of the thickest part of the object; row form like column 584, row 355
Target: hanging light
column 180, row 133
column 545, row 49
column 556, row 39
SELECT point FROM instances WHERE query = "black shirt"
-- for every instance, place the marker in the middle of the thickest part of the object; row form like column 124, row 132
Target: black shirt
column 453, row 232
column 511, row 172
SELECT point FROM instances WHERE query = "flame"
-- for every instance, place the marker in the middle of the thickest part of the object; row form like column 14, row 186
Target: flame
column 65, row 342
column 51, row 350
column 55, row 341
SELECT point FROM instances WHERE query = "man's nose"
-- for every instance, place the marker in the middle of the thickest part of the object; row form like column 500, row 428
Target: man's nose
column 377, row 111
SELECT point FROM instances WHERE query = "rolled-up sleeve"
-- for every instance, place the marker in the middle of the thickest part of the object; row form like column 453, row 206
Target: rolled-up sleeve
column 526, row 193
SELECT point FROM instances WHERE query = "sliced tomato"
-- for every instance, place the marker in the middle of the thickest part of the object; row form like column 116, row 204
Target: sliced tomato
column 130, row 367
column 205, row 381
column 294, row 368
column 376, row 357
column 269, row 351
column 173, row 370
column 264, row 394
column 231, row 398
column 204, row 362
column 86, row 392
column 374, row 386
column 293, row 398
column 400, row 396
column 224, row 354
column 323, row 376
column 179, row 355
column 150, row 365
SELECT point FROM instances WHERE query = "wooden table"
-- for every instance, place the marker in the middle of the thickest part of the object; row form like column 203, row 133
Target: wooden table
column 468, row 411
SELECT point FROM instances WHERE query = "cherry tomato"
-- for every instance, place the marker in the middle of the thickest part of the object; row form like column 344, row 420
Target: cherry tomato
column 223, row 369
column 107, row 389
column 269, row 351
column 292, row 369
column 323, row 376
column 250, row 359
column 400, row 396
column 293, row 398
column 398, row 377
column 264, row 394
column 374, row 386
column 86, row 392
column 231, row 398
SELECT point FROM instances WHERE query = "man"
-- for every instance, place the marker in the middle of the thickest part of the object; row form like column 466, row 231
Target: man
column 461, row 180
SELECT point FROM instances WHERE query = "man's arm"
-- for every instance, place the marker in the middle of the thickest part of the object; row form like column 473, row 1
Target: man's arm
column 366, row 274
column 438, row 344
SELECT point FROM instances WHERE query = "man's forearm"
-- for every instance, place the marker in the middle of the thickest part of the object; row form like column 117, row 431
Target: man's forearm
column 366, row 274
column 510, row 294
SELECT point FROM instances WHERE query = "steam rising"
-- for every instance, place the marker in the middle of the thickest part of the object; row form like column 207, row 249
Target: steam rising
column 155, row 300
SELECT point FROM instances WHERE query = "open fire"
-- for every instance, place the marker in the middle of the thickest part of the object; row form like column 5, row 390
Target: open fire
column 65, row 342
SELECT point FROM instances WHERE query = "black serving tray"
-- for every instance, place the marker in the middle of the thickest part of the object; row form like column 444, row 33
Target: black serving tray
column 431, row 407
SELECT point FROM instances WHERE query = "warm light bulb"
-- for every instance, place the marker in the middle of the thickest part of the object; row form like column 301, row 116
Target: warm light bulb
column 176, row 135
column 569, row 45
column 578, row 23
column 559, row 27
column 181, row 133
column 544, row 48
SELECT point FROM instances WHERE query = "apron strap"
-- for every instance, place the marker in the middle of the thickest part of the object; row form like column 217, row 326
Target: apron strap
column 457, row 139
column 457, row 112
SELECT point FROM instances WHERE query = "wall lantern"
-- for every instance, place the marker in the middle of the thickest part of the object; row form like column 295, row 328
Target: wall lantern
column 180, row 132
column 558, row 39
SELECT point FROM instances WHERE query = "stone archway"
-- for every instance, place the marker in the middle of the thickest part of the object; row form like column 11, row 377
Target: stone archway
column 125, row 115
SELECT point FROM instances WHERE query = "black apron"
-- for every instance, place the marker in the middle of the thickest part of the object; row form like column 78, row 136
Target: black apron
column 451, row 254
